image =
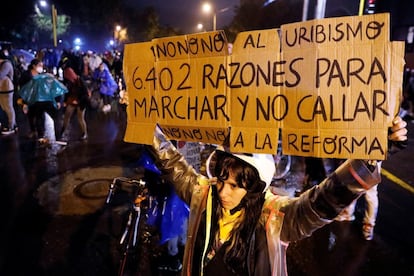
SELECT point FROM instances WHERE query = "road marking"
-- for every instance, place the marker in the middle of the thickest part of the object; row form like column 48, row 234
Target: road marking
column 396, row 180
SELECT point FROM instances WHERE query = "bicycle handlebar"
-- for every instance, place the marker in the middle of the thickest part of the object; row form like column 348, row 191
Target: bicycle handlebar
column 125, row 183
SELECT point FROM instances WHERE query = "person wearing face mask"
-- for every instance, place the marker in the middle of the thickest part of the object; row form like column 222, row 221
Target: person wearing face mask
column 237, row 226
column 34, row 68
column 42, row 93
column 6, row 93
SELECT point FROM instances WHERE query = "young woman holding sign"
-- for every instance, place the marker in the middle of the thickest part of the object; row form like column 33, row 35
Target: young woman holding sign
column 236, row 225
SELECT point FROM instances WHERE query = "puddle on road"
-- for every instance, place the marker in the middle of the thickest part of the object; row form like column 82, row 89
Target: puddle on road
column 79, row 192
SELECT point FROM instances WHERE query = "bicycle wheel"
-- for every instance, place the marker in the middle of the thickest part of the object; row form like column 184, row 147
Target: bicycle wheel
column 282, row 163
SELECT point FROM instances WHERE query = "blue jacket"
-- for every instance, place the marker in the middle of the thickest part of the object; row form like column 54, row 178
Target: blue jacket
column 107, row 84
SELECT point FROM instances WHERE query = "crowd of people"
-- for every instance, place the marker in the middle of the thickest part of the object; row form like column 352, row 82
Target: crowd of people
column 71, row 83
column 60, row 84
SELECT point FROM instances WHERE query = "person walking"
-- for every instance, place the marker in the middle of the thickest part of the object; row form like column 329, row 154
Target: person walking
column 6, row 95
column 236, row 225
column 43, row 94
column 34, row 68
column 370, row 213
column 76, row 100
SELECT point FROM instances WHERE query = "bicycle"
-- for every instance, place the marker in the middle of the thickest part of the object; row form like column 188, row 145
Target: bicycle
column 136, row 213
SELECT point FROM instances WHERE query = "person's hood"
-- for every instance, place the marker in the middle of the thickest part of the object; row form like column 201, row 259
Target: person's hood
column 263, row 163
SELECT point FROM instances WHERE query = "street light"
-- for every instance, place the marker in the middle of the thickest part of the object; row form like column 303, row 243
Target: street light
column 119, row 35
column 118, row 28
column 200, row 27
column 208, row 8
column 78, row 43
column 44, row 4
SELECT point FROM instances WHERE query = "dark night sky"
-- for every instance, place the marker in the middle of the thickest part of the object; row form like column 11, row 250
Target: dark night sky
column 185, row 14
column 181, row 14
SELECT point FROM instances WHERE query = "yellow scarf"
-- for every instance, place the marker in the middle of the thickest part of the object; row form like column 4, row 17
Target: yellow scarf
column 226, row 224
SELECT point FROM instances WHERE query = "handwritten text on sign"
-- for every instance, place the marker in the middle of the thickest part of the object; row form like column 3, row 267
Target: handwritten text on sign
column 331, row 85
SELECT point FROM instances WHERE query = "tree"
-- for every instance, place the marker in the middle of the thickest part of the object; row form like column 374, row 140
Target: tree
column 44, row 23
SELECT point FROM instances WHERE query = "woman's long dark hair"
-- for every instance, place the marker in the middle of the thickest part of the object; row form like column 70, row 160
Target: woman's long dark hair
column 247, row 177
column 33, row 63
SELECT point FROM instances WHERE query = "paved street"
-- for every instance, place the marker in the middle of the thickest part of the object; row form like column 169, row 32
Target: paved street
column 55, row 222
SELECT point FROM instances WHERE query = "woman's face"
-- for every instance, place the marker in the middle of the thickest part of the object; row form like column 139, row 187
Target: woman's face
column 39, row 68
column 230, row 193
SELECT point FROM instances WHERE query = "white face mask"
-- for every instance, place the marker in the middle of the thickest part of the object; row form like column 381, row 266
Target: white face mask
column 39, row 69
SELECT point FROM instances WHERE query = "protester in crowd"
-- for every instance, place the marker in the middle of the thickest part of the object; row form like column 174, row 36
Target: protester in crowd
column 370, row 214
column 408, row 93
column 35, row 67
column 76, row 100
column 75, row 58
column 94, row 60
column 21, row 66
column 237, row 226
column 314, row 167
column 43, row 94
column 7, row 93
column 371, row 198
column 50, row 59
column 117, row 66
column 107, row 85
column 22, row 63
column 108, row 59
column 87, row 71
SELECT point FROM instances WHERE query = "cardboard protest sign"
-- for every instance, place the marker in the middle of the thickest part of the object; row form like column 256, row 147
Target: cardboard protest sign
column 331, row 85
column 186, row 89
column 350, row 78
column 142, row 115
column 257, row 106
column 191, row 87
